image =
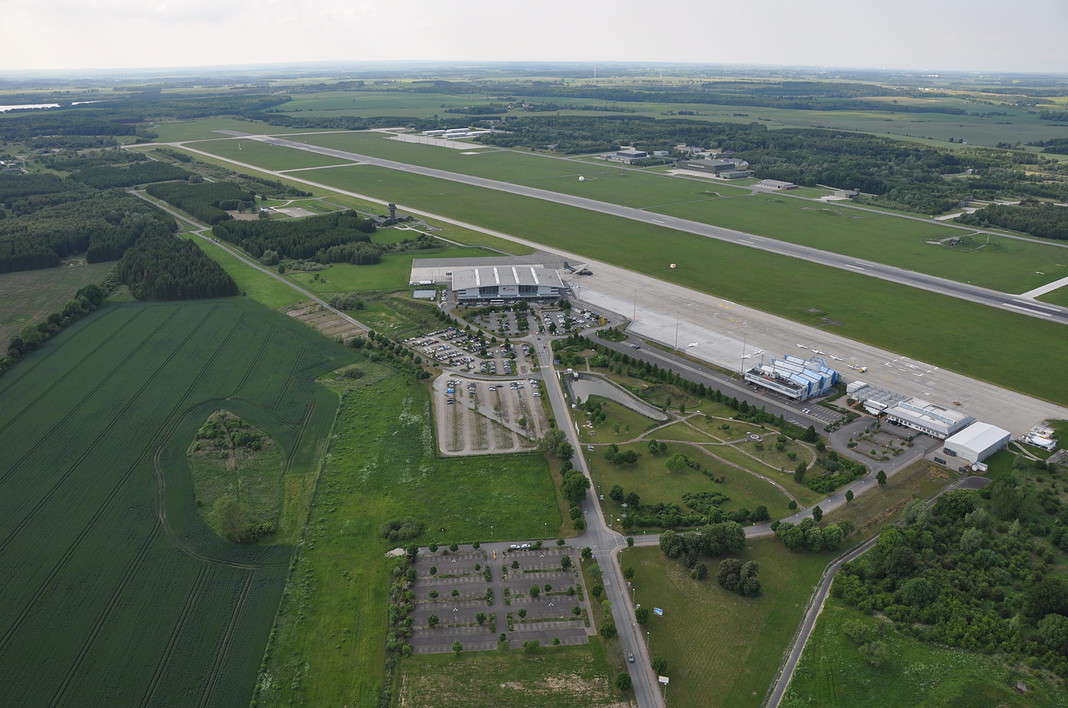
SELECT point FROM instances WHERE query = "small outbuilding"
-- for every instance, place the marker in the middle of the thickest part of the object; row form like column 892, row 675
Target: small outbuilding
column 976, row 442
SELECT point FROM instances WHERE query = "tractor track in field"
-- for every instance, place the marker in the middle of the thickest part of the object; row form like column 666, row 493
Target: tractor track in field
column 224, row 643
column 293, row 369
column 6, row 637
column 41, row 360
column 25, row 520
column 191, row 599
column 131, row 568
column 308, row 412
column 60, row 379
column 252, row 362
column 84, row 399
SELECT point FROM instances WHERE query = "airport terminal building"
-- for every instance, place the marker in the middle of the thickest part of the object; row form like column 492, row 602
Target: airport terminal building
column 517, row 282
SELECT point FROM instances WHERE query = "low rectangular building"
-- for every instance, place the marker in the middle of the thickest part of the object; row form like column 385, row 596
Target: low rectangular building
column 793, row 377
column 515, row 282
column 776, row 184
column 976, row 442
column 929, row 418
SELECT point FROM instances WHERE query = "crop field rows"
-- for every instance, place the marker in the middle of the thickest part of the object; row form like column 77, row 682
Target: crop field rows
column 116, row 590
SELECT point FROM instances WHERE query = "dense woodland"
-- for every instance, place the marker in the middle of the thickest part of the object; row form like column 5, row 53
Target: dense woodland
column 105, row 176
column 977, row 570
column 162, row 267
column 1038, row 218
column 102, row 225
column 206, row 201
column 302, row 238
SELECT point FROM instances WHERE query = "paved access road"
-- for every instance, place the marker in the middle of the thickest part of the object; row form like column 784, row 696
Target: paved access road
column 932, row 283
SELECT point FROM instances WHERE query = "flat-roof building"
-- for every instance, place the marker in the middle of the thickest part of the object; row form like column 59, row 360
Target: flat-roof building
column 793, row 377
column 926, row 417
column 976, row 442
column 514, row 282
column 776, row 184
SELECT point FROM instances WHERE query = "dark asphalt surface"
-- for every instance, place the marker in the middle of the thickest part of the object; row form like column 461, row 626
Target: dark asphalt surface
column 932, row 283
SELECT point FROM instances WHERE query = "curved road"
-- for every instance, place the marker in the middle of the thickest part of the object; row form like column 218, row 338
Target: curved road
column 963, row 291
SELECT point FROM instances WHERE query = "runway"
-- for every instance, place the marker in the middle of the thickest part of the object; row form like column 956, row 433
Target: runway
column 952, row 288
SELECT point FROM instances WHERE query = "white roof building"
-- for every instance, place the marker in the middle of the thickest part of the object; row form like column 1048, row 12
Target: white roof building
column 934, row 420
column 977, row 442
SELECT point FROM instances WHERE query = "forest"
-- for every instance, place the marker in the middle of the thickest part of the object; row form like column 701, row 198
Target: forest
column 1031, row 216
column 105, row 176
column 102, row 225
column 162, row 267
column 977, row 570
column 206, row 201
column 302, row 238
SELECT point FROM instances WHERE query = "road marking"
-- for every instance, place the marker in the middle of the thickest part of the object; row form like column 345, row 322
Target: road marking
column 1028, row 310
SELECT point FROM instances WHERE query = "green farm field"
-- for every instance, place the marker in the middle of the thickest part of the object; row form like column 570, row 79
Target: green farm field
column 721, row 648
column 328, row 643
column 1019, row 125
column 28, row 297
column 899, row 318
column 116, row 591
column 832, row 672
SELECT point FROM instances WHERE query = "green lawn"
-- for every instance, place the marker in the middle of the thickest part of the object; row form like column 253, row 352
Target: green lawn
column 273, row 157
column 620, row 424
column 832, row 672
column 392, row 273
column 721, row 648
column 555, row 677
column 650, row 478
column 328, row 642
column 1056, row 297
column 254, row 283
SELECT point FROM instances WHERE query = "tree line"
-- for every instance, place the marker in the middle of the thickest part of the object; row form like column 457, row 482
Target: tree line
column 162, row 267
column 1032, row 217
column 300, row 238
column 206, row 201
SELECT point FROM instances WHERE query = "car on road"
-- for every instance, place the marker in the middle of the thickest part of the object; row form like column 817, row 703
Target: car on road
column 635, row 345
column 630, row 658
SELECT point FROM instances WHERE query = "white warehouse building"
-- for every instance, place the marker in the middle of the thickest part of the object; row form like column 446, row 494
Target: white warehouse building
column 976, row 442
column 515, row 282
column 934, row 420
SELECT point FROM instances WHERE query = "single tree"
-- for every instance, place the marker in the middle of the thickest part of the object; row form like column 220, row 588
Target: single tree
column 881, row 478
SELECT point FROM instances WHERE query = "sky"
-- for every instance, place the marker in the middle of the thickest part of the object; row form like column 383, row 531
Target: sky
column 967, row 35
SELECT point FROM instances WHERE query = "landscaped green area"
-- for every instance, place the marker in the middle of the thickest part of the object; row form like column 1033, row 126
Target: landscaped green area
column 900, row 318
column 554, row 677
column 328, row 643
column 654, row 483
column 834, row 672
column 722, row 648
column 28, row 297
column 96, row 494
column 252, row 282
column 602, row 420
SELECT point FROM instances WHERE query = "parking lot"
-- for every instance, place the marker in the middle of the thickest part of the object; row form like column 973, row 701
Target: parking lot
column 560, row 321
column 477, row 416
column 461, row 351
column 474, row 596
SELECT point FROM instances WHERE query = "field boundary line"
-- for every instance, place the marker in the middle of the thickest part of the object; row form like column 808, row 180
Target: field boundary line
column 131, row 568
column 223, row 647
column 59, row 379
column 100, row 436
column 191, row 599
column 5, row 638
column 40, row 360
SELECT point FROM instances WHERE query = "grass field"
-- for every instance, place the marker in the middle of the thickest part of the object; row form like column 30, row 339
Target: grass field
column 273, row 157
column 204, row 128
column 832, row 672
column 29, row 296
column 999, row 263
column 620, row 424
column 115, row 591
column 1057, row 297
column 397, row 315
column 392, row 273
column 556, row 677
column 721, row 648
column 902, row 319
column 254, row 283
column 650, row 478
column 328, row 642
